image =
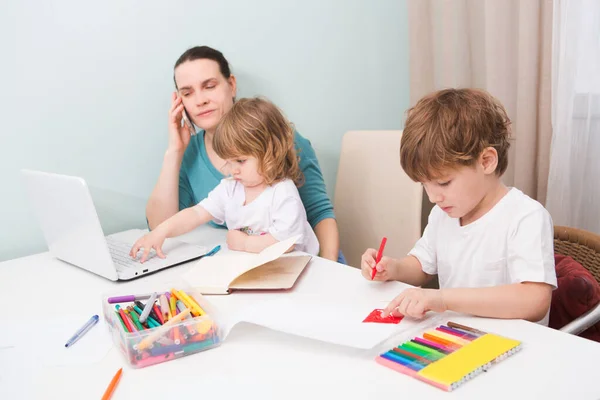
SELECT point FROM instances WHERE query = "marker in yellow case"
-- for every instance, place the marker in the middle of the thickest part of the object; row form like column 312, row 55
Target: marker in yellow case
column 453, row 339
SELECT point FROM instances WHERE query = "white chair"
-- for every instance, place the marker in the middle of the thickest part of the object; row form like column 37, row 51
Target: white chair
column 374, row 197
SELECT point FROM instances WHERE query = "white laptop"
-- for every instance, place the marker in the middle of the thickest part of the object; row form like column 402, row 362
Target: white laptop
column 72, row 229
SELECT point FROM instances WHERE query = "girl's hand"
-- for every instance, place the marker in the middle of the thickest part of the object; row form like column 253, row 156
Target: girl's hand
column 236, row 240
column 153, row 240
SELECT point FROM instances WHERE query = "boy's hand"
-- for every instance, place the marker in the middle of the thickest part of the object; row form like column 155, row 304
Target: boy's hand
column 415, row 302
column 236, row 240
column 385, row 268
column 153, row 240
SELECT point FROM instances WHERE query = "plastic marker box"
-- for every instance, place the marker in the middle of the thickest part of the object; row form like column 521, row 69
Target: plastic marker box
column 157, row 326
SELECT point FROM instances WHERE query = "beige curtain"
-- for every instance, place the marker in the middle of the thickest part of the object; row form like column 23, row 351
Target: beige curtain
column 502, row 46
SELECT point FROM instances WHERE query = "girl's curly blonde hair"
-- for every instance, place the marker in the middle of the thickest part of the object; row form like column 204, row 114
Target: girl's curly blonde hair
column 256, row 127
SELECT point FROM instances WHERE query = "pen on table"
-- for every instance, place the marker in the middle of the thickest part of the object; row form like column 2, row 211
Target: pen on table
column 82, row 331
column 379, row 255
column 213, row 251
column 112, row 385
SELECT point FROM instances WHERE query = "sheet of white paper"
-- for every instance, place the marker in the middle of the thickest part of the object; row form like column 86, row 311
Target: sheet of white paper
column 313, row 310
column 47, row 336
column 337, row 322
column 220, row 270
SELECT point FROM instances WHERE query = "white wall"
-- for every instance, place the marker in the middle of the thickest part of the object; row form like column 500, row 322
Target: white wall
column 85, row 86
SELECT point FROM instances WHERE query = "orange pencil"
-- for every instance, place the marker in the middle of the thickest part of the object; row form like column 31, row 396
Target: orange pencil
column 113, row 384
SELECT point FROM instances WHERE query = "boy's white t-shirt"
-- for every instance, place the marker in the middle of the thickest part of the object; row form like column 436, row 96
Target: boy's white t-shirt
column 511, row 243
column 278, row 210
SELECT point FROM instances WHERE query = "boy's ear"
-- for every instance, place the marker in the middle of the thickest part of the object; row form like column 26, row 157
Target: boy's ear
column 489, row 160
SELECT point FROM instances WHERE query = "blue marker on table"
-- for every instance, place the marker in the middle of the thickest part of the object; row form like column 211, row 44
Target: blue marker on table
column 213, row 251
column 82, row 331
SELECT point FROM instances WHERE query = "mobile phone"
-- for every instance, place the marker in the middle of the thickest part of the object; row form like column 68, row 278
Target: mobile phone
column 187, row 121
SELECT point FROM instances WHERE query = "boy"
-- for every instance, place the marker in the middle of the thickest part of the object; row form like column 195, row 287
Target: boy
column 491, row 246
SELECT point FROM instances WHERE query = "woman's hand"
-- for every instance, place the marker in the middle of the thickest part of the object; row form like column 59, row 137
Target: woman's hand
column 179, row 135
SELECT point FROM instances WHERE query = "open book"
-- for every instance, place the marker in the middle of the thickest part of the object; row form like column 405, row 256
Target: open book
column 266, row 270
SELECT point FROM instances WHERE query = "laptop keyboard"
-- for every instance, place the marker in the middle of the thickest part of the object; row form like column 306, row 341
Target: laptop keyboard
column 119, row 252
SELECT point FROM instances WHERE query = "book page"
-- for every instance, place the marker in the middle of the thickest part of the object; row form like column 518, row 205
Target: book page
column 213, row 275
column 281, row 273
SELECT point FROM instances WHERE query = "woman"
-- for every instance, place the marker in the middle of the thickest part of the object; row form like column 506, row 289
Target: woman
column 206, row 90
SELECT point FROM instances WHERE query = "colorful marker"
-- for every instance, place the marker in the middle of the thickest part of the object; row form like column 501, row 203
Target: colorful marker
column 148, row 340
column 433, row 345
column 128, row 298
column 451, row 338
column 189, row 302
column 425, row 351
column 213, row 251
column 124, row 318
column 136, row 319
column 151, row 322
column 173, row 305
column 401, row 360
column 456, row 332
column 465, row 328
column 379, row 255
column 148, row 308
column 121, row 320
column 158, row 314
column 413, row 356
column 439, row 338
column 141, row 307
column 164, row 307
column 112, row 386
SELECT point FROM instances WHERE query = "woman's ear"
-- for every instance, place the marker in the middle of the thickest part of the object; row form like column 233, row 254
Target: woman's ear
column 489, row 160
column 233, row 83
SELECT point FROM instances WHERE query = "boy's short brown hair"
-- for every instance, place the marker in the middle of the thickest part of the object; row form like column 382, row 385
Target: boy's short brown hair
column 452, row 127
column 256, row 127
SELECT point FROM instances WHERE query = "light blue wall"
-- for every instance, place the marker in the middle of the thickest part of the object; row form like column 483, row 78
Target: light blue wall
column 85, row 86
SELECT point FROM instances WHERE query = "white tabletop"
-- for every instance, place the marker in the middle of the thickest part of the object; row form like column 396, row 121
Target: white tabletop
column 256, row 362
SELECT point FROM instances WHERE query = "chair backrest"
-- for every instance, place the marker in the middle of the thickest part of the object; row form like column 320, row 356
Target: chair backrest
column 575, row 303
column 374, row 197
column 580, row 245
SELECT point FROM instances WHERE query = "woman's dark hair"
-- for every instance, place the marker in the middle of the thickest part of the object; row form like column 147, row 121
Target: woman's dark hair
column 204, row 52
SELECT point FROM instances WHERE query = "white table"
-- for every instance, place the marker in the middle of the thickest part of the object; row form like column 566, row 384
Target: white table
column 255, row 362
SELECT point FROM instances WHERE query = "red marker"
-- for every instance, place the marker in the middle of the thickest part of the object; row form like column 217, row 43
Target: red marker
column 379, row 255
